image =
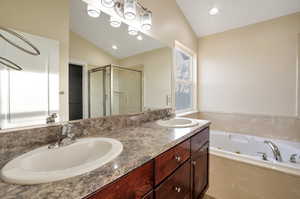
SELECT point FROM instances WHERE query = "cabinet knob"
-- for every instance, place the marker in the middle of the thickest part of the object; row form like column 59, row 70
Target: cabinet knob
column 177, row 158
column 177, row 189
column 193, row 162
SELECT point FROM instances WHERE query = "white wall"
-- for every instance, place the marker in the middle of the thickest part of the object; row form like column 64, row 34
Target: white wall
column 251, row 69
column 298, row 96
column 157, row 75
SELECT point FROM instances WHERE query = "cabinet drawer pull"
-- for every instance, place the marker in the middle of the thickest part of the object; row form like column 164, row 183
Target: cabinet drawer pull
column 194, row 163
column 177, row 158
column 177, row 189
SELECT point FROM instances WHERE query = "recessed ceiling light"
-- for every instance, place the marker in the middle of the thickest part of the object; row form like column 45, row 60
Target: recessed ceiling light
column 214, row 11
column 114, row 47
column 139, row 37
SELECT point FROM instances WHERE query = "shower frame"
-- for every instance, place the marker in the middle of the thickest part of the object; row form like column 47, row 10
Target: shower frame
column 111, row 69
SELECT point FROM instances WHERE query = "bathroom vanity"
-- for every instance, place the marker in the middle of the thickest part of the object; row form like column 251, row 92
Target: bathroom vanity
column 179, row 173
column 156, row 162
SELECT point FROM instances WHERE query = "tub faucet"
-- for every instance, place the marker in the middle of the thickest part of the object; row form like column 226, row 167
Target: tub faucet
column 275, row 150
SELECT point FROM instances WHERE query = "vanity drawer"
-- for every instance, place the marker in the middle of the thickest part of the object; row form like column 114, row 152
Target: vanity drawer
column 198, row 140
column 177, row 186
column 167, row 162
column 132, row 186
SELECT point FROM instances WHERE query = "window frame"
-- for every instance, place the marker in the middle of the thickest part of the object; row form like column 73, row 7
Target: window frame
column 181, row 48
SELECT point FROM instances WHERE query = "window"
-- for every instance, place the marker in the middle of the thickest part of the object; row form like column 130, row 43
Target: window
column 185, row 81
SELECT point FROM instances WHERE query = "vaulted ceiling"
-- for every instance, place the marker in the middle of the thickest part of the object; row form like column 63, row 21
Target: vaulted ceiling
column 233, row 13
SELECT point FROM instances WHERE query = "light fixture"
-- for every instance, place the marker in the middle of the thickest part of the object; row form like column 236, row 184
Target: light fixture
column 214, row 11
column 93, row 11
column 146, row 20
column 132, row 30
column 114, row 47
column 130, row 9
column 123, row 11
column 139, row 37
column 108, row 3
column 115, row 22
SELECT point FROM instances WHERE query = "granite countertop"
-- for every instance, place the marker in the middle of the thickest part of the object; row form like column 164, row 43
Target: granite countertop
column 141, row 144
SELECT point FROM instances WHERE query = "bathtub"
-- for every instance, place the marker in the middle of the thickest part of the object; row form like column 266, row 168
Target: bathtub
column 248, row 149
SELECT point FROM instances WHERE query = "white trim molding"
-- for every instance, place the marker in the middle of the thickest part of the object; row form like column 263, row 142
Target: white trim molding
column 183, row 48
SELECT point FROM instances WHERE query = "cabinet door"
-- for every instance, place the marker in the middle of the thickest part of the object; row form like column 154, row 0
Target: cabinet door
column 176, row 186
column 132, row 186
column 200, row 166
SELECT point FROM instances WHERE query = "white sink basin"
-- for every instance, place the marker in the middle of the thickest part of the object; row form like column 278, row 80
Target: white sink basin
column 177, row 123
column 47, row 165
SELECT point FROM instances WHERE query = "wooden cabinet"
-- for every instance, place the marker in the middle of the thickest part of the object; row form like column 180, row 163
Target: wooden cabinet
column 132, row 186
column 200, row 166
column 198, row 140
column 176, row 186
column 179, row 173
column 167, row 162
column 149, row 195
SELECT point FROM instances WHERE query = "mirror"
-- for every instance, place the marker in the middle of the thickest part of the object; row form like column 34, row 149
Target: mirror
column 83, row 68
column 112, row 72
column 29, row 79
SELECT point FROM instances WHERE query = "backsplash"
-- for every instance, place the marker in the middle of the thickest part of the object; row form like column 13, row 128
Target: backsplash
column 16, row 142
column 287, row 128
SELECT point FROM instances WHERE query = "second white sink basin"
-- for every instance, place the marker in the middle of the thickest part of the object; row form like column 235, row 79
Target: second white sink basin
column 177, row 123
column 47, row 165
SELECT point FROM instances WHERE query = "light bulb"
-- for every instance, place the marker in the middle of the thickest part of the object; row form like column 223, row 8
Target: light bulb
column 115, row 22
column 214, row 11
column 130, row 9
column 147, row 21
column 108, row 3
column 132, row 31
column 93, row 11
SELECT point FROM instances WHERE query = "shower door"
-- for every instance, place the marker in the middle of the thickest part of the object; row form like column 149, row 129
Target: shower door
column 127, row 91
column 97, row 94
column 114, row 90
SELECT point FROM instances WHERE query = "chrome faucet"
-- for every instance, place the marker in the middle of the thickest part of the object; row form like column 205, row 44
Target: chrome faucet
column 51, row 119
column 65, row 138
column 275, row 150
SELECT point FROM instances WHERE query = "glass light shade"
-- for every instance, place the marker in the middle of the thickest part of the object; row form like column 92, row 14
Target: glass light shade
column 214, row 11
column 108, row 3
column 139, row 37
column 147, row 21
column 130, row 9
column 132, row 31
column 93, row 11
column 115, row 22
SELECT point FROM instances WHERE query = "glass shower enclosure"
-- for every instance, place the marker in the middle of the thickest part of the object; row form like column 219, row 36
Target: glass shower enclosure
column 114, row 90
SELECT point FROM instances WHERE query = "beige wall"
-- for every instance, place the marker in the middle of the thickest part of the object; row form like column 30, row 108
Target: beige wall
column 44, row 18
column 231, row 179
column 84, row 51
column 251, row 70
column 169, row 24
column 157, row 66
